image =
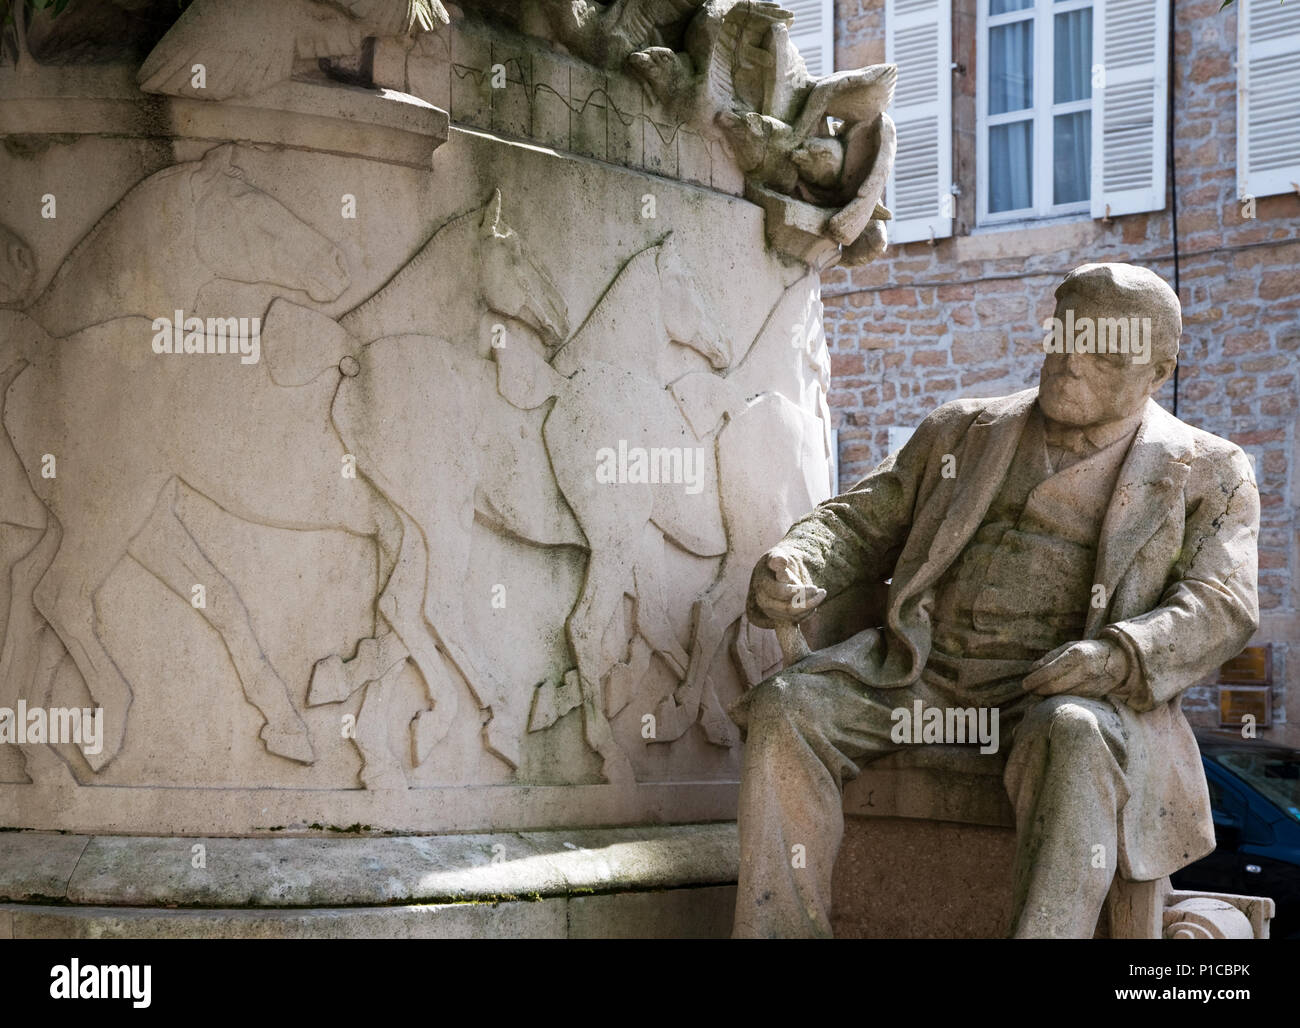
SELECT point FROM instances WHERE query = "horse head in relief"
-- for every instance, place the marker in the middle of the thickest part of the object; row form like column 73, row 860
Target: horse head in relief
column 246, row 235
column 685, row 314
column 17, row 270
column 513, row 284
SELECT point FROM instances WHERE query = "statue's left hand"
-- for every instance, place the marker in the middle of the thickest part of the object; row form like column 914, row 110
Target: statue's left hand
column 1094, row 667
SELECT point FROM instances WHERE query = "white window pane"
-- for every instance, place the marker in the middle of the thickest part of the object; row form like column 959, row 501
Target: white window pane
column 1011, row 67
column 1072, row 157
column 1002, row 6
column 1072, row 56
column 1011, row 150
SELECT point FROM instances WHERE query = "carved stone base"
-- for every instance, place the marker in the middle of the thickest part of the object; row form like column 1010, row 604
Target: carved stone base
column 673, row 881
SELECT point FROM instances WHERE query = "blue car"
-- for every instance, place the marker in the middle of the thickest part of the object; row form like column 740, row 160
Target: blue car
column 1255, row 796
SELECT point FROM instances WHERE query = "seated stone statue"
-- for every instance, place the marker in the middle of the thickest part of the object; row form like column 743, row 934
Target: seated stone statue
column 1071, row 556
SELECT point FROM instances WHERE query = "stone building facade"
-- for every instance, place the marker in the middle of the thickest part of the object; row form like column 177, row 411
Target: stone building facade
column 962, row 316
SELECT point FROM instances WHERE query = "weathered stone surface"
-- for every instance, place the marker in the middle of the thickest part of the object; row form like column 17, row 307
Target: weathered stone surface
column 363, row 474
column 243, row 47
column 308, row 872
column 357, row 572
column 918, row 878
column 38, row 865
column 669, row 882
column 359, row 870
column 674, row 914
column 545, row 919
column 653, row 858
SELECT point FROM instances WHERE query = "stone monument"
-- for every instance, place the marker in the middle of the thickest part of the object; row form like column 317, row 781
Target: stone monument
column 1053, row 569
column 396, row 397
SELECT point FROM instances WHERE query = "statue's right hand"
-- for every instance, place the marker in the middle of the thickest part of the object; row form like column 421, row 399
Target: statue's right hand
column 783, row 589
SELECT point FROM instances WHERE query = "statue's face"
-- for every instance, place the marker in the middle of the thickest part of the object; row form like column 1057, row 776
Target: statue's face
column 1083, row 389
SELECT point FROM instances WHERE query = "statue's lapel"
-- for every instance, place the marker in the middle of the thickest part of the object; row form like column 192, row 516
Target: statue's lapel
column 990, row 443
column 1149, row 484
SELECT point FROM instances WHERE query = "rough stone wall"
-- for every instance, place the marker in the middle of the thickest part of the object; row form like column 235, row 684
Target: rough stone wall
column 928, row 323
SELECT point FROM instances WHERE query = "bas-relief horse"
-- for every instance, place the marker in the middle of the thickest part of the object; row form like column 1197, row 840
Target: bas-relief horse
column 138, row 433
column 603, row 394
column 422, row 295
column 179, row 230
column 749, row 412
column 757, row 405
column 413, row 415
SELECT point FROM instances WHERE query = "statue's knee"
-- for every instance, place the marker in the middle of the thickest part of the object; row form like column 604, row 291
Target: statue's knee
column 783, row 697
column 1065, row 720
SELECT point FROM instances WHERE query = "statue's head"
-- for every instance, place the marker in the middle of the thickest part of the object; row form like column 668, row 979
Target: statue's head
column 1111, row 343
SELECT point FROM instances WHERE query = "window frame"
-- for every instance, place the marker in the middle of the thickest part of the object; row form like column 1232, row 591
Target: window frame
column 1040, row 114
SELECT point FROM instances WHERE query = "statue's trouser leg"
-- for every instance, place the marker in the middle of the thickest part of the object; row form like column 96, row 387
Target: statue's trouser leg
column 1065, row 776
column 806, row 735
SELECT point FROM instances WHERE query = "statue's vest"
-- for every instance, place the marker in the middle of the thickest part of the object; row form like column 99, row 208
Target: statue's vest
column 1043, row 528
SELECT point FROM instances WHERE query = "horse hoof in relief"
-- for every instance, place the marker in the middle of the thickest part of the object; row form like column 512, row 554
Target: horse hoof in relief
column 293, row 743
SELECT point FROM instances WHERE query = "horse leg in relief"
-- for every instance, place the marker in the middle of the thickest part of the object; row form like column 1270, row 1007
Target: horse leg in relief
column 65, row 596
column 380, row 767
column 334, row 679
column 718, row 727
column 25, row 627
column 165, row 548
column 44, row 765
column 651, row 612
column 678, row 712
column 444, row 603
column 402, row 605
column 595, row 607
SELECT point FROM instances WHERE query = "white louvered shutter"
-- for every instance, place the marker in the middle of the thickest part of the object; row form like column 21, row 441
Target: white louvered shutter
column 1130, row 104
column 1268, row 97
column 813, row 32
column 918, row 38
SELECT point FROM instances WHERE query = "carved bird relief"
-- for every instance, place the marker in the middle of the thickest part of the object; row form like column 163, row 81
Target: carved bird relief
column 605, row 34
column 728, row 64
column 826, row 141
column 246, row 46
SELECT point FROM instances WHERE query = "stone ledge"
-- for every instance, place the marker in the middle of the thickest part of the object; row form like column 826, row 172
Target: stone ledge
column 244, row 873
column 442, row 810
column 698, row 913
column 327, row 117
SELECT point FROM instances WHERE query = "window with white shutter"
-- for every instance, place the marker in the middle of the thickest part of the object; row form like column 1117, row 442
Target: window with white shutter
column 1130, row 105
column 1034, row 106
column 918, row 38
column 813, row 32
column 1268, row 97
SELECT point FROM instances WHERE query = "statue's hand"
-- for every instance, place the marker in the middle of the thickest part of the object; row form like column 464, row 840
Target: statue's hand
column 1094, row 667
column 783, row 589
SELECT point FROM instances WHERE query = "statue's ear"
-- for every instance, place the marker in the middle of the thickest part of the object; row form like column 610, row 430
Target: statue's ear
column 1162, row 372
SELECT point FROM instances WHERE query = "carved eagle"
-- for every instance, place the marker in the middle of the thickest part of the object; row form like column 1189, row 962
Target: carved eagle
column 605, row 34
column 737, row 58
column 246, row 46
